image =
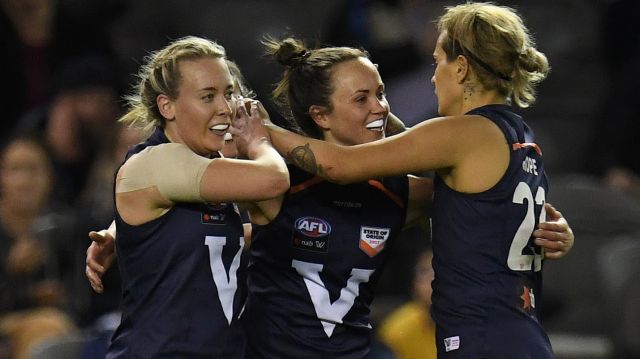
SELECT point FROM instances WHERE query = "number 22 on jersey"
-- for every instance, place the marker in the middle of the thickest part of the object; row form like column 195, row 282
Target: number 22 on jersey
column 517, row 260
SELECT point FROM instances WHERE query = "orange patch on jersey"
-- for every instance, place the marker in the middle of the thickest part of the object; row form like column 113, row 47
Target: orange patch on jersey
column 526, row 299
column 394, row 197
column 517, row 146
column 306, row 184
column 369, row 250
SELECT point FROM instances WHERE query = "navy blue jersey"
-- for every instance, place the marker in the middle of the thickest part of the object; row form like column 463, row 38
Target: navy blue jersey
column 313, row 268
column 486, row 291
column 183, row 282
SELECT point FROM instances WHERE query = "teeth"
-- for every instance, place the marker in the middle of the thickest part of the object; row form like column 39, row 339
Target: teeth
column 220, row 127
column 228, row 137
column 376, row 124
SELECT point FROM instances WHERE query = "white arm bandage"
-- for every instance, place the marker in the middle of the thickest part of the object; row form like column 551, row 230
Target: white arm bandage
column 171, row 167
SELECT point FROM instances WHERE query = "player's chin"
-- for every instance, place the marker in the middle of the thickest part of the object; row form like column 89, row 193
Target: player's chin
column 374, row 136
column 214, row 143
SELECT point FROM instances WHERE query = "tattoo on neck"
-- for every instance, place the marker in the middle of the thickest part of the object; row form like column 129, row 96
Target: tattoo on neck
column 303, row 157
column 469, row 89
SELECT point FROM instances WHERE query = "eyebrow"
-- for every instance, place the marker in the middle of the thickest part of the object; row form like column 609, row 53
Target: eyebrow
column 214, row 89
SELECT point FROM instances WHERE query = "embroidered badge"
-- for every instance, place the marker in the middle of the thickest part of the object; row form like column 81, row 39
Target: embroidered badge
column 372, row 239
column 312, row 234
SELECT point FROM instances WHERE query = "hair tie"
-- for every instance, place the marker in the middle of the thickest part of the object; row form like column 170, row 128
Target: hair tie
column 300, row 58
column 482, row 64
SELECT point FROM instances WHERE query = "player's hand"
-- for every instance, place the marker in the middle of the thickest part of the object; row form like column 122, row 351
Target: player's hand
column 554, row 235
column 248, row 129
column 100, row 256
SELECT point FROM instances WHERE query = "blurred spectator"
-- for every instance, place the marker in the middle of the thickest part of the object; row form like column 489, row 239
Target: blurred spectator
column 615, row 142
column 382, row 28
column 96, row 200
column 409, row 330
column 36, row 263
column 96, row 210
column 400, row 39
column 416, row 81
column 79, row 120
column 37, row 38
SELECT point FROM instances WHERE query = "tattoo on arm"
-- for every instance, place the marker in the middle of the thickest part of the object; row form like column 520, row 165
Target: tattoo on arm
column 303, row 157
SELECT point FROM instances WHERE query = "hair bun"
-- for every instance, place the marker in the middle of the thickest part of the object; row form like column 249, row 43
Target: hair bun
column 527, row 60
column 291, row 53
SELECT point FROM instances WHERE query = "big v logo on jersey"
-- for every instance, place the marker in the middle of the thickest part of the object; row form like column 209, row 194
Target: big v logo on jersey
column 312, row 234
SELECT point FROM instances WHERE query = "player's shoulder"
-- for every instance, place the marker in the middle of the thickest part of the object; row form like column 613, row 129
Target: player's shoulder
column 159, row 154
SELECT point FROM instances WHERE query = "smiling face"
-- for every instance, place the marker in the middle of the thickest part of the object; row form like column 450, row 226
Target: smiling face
column 201, row 114
column 360, row 108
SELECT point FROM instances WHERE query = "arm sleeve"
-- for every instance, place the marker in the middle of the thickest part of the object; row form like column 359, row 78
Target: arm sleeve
column 172, row 168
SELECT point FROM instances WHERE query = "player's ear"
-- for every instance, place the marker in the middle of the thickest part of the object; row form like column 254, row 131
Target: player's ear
column 166, row 107
column 462, row 68
column 319, row 115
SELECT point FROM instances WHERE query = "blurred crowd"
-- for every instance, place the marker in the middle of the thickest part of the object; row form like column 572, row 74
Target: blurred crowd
column 68, row 63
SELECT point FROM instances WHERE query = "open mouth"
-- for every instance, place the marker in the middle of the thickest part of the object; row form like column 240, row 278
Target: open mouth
column 377, row 125
column 228, row 137
column 221, row 128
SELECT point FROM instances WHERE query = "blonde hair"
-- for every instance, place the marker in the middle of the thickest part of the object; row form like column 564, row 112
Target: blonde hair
column 240, row 83
column 499, row 47
column 160, row 75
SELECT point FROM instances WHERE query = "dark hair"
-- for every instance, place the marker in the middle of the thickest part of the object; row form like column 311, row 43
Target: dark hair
column 307, row 78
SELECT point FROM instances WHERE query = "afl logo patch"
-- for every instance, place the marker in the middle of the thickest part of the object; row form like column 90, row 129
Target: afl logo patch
column 311, row 234
column 312, row 227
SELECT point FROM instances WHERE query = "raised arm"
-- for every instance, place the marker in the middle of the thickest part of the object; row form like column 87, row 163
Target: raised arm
column 436, row 144
column 264, row 177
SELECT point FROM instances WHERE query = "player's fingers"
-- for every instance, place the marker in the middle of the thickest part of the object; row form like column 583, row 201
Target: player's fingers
column 95, row 266
column 554, row 254
column 550, row 245
column 551, row 235
column 97, row 237
column 94, row 280
column 552, row 212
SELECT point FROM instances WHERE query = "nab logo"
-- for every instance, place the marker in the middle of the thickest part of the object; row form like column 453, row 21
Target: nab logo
column 312, row 227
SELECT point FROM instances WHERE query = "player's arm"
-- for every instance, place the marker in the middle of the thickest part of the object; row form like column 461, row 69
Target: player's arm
column 443, row 143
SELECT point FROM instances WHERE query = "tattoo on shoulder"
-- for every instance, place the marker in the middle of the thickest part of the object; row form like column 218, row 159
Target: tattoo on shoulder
column 303, row 157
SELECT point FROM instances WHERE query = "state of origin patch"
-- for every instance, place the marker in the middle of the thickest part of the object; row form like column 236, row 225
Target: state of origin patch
column 214, row 213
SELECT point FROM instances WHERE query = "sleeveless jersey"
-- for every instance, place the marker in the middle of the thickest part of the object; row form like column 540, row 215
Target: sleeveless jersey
column 183, row 282
column 486, row 291
column 313, row 268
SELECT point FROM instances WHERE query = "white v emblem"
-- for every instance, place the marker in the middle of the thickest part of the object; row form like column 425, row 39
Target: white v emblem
column 329, row 313
column 226, row 285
